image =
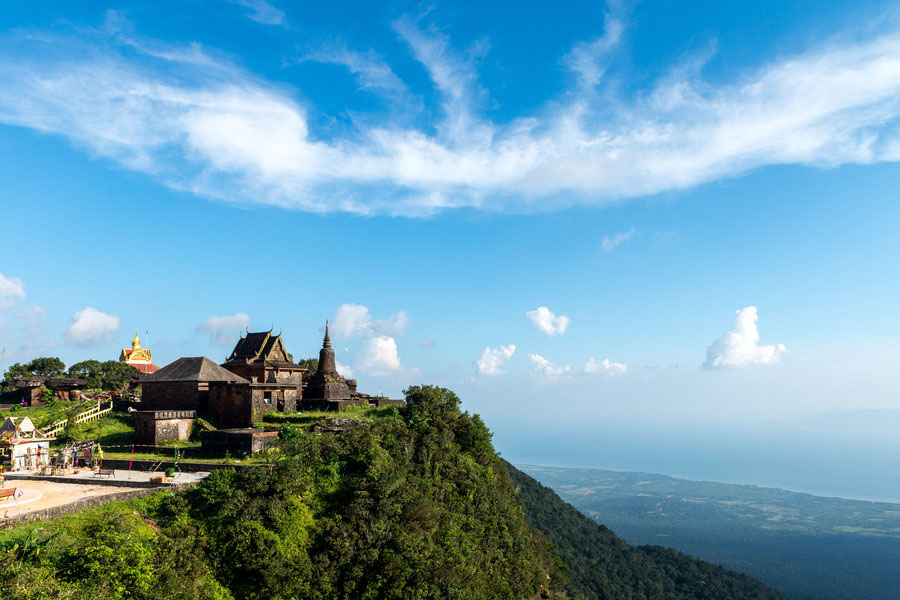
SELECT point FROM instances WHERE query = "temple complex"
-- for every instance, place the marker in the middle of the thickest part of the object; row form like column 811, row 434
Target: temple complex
column 258, row 377
column 138, row 357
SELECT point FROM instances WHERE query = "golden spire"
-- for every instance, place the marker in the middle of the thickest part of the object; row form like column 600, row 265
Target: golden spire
column 135, row 343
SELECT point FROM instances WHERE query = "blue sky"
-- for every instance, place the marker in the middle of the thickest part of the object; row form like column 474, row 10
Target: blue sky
column 668, row 182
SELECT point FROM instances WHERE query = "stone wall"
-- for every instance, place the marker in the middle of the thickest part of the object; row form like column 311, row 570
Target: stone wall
column 174, row 395
column 240, row 442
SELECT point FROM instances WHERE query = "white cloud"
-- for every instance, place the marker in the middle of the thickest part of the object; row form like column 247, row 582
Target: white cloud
column 379, row 357
column 350, row 320
column 355, row 320
column 223, row 329
column 200, row 124
column 491, row 361
column 546, row 320
column 90, row 327
column 11, row 290
column 371, row 72
column 604, row 367
column 741, row 348
column 543, row 368
column 262, row 11
column 344, row 370
column 394, row 325
column 609, row 243
column 589, row 59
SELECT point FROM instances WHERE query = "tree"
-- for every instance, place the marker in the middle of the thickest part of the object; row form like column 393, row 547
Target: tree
column 117, row 376
column 92, row 370
column 39, row 367
column 47, row 366
column 311, row 364
column 12, row 373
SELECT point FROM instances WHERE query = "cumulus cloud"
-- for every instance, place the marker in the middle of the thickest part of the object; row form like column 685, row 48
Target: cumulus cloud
column 604, row 367
column 741, row 347
column 379, row 357
column 223, row 329
column 350, row 320
column 609, row 243
column 90, row 327
column 201, row 124
column 355, row 320
column 543, row 368
column 546, row 320
column 491, row 361
column 394, row 325
column 12, row 290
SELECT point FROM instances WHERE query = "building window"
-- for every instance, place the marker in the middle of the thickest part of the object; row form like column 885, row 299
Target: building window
column 267, row 396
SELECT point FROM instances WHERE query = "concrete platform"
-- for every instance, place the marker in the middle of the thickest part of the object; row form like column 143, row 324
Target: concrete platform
column 38, row 496
column 121, row 478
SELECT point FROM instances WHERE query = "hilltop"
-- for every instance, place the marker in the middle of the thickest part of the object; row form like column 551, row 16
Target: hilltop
column 412, row 504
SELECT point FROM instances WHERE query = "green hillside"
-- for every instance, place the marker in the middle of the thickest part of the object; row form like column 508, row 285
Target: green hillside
column 809, row 547
column 603, row 566
column 412, row 504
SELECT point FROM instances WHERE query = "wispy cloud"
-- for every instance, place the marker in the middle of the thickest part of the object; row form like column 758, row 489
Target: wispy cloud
column 262, row 11
column 199, row 123
column 371, row 71
column 609, row 243
column 224, row 329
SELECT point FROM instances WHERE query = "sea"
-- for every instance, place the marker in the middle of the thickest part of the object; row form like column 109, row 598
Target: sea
column 862, row 464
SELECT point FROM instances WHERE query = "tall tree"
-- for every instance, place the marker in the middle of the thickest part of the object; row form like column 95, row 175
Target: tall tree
column 47, row 366
column 92, row 370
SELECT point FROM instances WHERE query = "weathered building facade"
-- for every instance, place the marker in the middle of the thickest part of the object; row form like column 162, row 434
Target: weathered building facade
column 184, row 384
column 154, row 426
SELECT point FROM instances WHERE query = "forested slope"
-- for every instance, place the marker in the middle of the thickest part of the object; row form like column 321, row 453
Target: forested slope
column 605, row 567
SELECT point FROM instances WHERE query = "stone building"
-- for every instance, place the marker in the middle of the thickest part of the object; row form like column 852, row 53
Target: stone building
column 137, row 357
column 327, row 389
column 275, row 381
column 184, row 384
column 154, row 426
column 263, row 356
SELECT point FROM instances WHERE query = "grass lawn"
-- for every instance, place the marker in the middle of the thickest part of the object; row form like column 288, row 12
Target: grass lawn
column 45, row 415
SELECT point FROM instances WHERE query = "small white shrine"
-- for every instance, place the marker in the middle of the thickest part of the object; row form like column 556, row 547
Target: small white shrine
column 22, row 445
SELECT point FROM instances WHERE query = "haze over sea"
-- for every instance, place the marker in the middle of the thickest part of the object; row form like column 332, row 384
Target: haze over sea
column 825, row 461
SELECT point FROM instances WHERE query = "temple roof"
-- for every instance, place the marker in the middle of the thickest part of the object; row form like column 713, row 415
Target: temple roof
column 193, row 368
column 261, row 348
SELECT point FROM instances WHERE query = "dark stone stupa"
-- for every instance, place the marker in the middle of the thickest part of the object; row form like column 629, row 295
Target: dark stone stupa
column 327, row 383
